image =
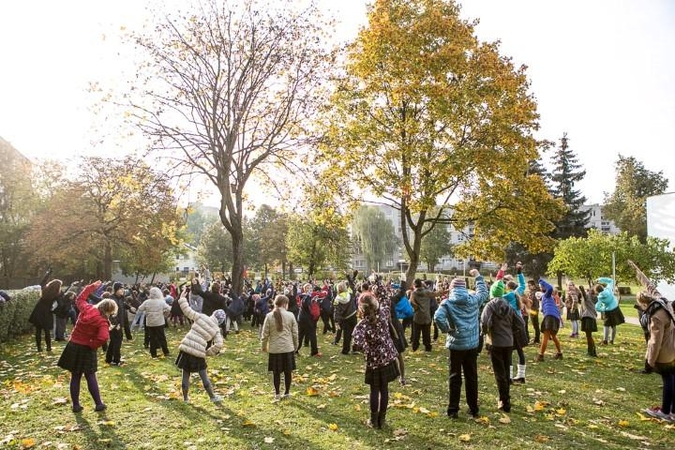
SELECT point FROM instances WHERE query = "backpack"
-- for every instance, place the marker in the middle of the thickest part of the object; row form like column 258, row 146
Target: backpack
column 519, row 331
column 314, row 310
column 404, row 309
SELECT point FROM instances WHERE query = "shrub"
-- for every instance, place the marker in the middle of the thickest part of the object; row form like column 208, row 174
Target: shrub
column 15, row 313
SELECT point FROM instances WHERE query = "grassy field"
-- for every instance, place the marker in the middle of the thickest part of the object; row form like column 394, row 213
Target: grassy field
column 577, row 403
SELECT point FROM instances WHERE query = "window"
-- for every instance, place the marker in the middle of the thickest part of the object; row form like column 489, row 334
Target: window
column 177, row 269
column 186, row 269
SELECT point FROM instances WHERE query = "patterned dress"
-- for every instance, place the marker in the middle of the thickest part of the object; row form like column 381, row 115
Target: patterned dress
column 375, row 341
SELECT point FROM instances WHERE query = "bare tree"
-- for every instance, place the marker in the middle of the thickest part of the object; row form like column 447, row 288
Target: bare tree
column 227, row 91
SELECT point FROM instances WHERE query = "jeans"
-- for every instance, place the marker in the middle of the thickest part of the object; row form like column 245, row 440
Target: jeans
column 458, row 361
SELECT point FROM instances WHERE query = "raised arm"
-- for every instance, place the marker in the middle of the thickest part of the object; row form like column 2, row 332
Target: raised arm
column 183, row 303
column 81, row 301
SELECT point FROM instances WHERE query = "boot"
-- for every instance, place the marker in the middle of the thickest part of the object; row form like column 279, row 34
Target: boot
column 374, row 420
column 381, row 419
column 520, row 377
column 558, row 356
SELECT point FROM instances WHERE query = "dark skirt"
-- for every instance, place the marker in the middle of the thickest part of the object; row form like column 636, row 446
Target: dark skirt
column 190, row 363
column 281, row 362
column 589, row 324
column 382, row 375
column 614, row 317
column 572, row 315
column 78, row 358
column 550, row 324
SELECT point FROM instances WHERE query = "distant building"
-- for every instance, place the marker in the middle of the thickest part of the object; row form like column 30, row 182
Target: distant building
column 595, row 220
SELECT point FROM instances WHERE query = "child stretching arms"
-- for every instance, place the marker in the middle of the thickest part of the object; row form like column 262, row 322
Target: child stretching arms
column 372, row 336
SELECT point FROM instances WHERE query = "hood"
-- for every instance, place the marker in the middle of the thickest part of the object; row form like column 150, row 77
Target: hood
column 459, row 295
column 156, row 294
column 500, row 307
column 548, row 289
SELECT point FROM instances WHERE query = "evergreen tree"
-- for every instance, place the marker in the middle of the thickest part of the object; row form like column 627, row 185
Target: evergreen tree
column 566, row 173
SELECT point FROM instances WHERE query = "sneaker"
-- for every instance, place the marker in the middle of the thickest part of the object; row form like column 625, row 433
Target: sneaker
column 671, row 418
column 656, row 413
column 286, row 396
column 277, row 397
column 216, row 399
column 100, row 408
column 402, row 381
column 453, row 415
column 77, row 408
column 558, row 356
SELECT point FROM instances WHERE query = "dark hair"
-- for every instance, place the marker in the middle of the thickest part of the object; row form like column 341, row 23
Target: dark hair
column 598, row 288
column 417, row 283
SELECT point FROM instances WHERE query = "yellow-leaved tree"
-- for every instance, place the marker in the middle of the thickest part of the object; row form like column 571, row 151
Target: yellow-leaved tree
column 426, row 115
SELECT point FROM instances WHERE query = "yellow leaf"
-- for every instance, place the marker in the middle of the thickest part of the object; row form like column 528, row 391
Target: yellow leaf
column 27, row 443
column 333, row 427
column 541, row 438
column 424, row 411
column 624, row 423
column 312, row 392
column 529, row 409
column 248, row 423
column 321, row 406
column 561, row 411
column 505, row 419
column 465, row 437
column 483, row 420
column 643, row 418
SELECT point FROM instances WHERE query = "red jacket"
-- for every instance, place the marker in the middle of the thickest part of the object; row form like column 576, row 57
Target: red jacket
column 91, row 328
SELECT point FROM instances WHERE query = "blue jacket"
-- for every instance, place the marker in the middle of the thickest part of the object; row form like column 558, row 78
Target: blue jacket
column 510, row 297
column 548, row 306
column 458, row 316
column 606, row 300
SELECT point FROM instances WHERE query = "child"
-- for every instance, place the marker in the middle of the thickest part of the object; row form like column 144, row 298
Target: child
column 588, row 320
column 279, row 340
column 194, row 348
column 497, row 323
column 551, row 322
column 155, row 309
column 572, row 300
column 372, row 335
column 79, row 356
column 608, row 305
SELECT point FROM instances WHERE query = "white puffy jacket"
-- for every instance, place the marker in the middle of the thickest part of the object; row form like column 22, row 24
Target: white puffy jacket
column 155, row 308
column 204, row 329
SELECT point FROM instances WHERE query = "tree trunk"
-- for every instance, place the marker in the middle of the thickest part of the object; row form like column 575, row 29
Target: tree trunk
column 237, row 261
column 107, row 261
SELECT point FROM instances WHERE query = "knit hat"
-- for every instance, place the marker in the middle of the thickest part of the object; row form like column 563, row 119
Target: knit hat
column 220, row 315
column 117, row 286
column 497, row 289
column 458, row 283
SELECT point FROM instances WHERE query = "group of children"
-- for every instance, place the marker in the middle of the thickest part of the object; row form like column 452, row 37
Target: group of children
column 365, row 315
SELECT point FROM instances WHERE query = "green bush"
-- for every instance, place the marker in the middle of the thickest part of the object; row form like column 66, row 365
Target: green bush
column 15, row 313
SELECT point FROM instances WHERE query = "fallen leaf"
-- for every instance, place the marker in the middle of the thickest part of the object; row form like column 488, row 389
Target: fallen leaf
column 27, row 443
column 541, row 438
column 465, row 437
column 561, row 411
column 482, row 420
column 60, row 401
column 312, row 392
column 333, row 427
column 424, row 411
column 248, row 423
column 624, row 423
column 268, row 440
column 505, row 419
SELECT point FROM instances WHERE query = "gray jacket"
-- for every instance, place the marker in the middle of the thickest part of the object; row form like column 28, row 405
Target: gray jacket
column 497, row 321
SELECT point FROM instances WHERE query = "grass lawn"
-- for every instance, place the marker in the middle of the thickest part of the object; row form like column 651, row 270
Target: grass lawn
column 578, row 402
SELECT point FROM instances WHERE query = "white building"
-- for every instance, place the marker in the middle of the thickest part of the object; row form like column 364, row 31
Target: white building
column 595, row 219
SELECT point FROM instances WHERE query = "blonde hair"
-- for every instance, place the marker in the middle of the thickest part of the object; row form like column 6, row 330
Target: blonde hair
column 643, row 298
column 341, row 287
column 107, row 307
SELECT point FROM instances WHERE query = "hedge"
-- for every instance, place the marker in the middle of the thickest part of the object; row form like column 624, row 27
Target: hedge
column 14, row 314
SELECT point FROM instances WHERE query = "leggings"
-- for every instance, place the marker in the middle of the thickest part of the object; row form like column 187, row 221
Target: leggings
column 185, row 384
column 38, row 338
column 606, row 334
column 288, row 377
column 92, row 385
column 379, row 398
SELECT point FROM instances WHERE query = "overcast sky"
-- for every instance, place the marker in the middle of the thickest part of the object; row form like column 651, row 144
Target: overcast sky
column 602, row 71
